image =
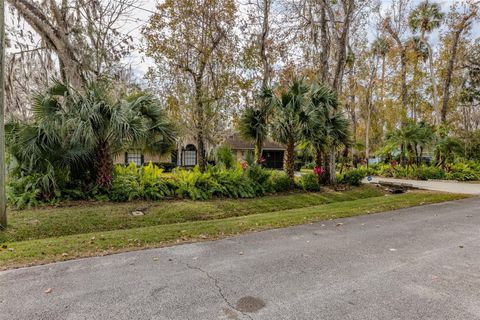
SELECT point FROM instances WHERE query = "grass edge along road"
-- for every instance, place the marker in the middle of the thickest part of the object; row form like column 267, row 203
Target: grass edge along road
column 41, row 251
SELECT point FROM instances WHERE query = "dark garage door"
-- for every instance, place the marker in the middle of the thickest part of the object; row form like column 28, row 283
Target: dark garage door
column 273, row 159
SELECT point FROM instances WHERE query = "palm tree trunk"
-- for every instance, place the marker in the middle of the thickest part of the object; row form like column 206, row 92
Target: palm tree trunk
column 319, row 163
column 290, row 161
column 104, row 166
column 332, row 177
column 433, row 80
column 257, row 150
column 402, row 157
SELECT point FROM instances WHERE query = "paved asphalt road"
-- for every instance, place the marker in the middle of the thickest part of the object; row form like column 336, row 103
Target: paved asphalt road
column 418, row 263
column 444, row 186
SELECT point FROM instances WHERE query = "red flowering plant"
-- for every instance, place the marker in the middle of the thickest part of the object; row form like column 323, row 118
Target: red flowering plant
column 261, row 160
column 318, row 171
column 244, row 165
column 394, row 163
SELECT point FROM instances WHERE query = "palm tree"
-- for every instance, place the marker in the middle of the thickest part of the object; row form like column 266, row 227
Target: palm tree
column 290, row 115
column 322, row 103
column 79, row 133
column 253, row 124
column 425, row 18
column 381, row 46
column 338, row 135
column 411, row 139
column 420, row 53
column 446, row 147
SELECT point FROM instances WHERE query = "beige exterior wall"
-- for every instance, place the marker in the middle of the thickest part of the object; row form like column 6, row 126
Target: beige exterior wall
column 239, row 155
column 120, row 159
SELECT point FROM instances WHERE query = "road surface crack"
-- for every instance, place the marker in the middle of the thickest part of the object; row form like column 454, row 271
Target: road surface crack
column 219, row 289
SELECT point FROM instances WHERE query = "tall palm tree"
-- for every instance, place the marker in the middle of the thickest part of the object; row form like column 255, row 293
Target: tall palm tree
column 420, row 53
column 290, row 115
column 321, row 105
column 253, row 124
column 426, row 17
column 381, row 46
column 79, row 133
column 338, row 135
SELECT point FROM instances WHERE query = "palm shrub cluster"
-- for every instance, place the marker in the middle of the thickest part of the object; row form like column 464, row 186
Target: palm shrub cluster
column 67, row 149
column 460, row 171
column 452, row 158
column 300, row 113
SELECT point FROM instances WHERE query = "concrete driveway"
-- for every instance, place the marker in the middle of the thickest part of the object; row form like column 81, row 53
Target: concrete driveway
column 417, row 263
column 444, row 186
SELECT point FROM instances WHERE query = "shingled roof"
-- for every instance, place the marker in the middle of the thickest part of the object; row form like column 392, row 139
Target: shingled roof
column 236, row 142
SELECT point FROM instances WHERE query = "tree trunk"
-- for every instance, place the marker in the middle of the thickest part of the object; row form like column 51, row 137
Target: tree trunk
column 403, row 67
column 402, row 156
column 290, row 161
column 319, row 164
column 201, row 154
column 369, row 108
column 332, row 176
column 263, row 43
column 367, row 134
column 104, row 166
column 199, row 125
column 257, row 150
column 448, row 78
column 463, row 24
column 3, row 198
column 382, row 94
column 342, row 40
column 433, row 80
column 325, row 43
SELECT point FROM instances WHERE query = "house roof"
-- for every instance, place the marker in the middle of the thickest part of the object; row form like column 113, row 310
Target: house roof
column 236, row 142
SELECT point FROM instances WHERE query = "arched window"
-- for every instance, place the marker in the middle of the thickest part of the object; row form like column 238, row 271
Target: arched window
column 190, row 156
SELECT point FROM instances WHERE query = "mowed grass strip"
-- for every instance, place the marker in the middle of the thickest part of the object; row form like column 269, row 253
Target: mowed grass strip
column 41, row 251
column 96, row 217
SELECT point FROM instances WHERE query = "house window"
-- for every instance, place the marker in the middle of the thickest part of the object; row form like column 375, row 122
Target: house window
column 190, row 156
column 135, row 157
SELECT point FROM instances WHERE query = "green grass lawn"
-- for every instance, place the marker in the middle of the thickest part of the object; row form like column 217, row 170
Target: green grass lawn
column 54, row 234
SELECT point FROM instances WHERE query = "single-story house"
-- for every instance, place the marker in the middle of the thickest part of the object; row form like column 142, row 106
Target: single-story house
column 186, row 154
column 273, row 152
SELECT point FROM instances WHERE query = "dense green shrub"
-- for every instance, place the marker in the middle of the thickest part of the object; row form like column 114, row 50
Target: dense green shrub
column 279, row 181
column 153, row 184
column 195, row 185
column 225, row 157
column 428, row 172
column 340, row 177
column 125, row 184
column 309, row 182
column 233, row 183
column 310, row 165
column 259, row 178
column 354, row 177
column 462, row 172
column 23, row 192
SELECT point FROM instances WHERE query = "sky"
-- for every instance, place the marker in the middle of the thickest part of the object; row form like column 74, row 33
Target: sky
column 145, row 8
